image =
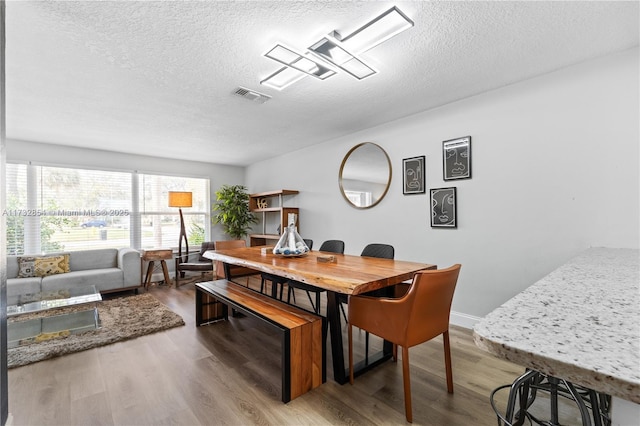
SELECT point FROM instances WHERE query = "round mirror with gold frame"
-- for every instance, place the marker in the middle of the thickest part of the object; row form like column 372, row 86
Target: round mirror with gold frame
column 365, row 175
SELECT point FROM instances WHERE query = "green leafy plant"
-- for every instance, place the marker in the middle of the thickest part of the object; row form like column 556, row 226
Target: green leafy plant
column 196, row 234
column 232, row 210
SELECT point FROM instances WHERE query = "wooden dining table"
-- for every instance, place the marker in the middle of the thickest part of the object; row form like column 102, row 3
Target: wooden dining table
column 347, row 274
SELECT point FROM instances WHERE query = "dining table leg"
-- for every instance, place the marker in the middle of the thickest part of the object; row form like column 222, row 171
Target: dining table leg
column 340, row 371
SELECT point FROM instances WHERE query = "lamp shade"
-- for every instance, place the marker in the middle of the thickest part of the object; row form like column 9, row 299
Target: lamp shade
column 180, row 199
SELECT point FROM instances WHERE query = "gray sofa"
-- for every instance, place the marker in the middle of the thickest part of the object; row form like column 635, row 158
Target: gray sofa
column 108, row 270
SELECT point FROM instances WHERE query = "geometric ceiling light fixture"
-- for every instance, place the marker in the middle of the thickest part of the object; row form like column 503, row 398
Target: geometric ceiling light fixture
column 282, row 78
column 329, row 49
column 338, row 50
column 307, row 65
column 389, row 24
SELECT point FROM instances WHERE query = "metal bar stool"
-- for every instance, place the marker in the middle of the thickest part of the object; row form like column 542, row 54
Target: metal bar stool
column 593, row 406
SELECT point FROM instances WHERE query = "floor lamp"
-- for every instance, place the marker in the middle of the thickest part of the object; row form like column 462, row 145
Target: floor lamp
column 181, row 199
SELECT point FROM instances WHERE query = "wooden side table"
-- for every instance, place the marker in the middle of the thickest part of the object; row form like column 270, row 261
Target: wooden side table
column 152, row 256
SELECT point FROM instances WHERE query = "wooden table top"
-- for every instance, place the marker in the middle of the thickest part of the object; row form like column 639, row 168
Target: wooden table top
column 157, row 254
column 349, row 274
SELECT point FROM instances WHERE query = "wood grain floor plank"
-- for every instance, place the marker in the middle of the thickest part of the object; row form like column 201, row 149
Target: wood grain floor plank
column 92, row 410
column 228, row 373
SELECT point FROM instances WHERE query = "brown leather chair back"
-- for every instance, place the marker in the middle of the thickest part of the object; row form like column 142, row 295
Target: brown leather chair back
column 421, row 314
column 206, row 245
column 429, row 300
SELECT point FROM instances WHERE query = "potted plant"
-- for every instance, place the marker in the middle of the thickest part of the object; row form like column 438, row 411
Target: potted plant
column 232, row 210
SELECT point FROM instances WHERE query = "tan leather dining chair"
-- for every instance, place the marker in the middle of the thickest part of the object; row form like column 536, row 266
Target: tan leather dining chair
column 418, row 316
column 236, row 271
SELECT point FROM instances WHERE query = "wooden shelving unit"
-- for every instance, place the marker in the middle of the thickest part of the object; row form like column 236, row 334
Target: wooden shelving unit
column 269, row 204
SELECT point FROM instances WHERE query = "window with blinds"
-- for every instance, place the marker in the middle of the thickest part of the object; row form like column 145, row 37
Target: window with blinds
column 160, row 223
column 53, row 209
column 16, row 190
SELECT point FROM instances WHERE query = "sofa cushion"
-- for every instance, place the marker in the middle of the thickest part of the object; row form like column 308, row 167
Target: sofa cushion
column 19, row 286
column 42, row 266
column 12, row 266
column 102, row 279
column 51, row 265
column 94, row 259
column 26, row 267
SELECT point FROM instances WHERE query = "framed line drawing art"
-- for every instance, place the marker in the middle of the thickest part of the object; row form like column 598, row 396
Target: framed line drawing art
column 456, row 156
column 413, row 175
column 443, row 208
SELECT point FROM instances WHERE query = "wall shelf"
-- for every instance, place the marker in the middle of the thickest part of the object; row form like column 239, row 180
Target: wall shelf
column 269, row 203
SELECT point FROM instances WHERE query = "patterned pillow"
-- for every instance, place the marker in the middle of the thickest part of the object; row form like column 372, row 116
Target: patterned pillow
column 51, row 265
column 26, row 267
column 41, row 266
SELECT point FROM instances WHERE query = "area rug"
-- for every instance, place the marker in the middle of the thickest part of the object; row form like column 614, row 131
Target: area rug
column 122, row 319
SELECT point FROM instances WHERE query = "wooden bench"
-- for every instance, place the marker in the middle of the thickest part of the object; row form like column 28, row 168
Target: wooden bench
column 303, row 348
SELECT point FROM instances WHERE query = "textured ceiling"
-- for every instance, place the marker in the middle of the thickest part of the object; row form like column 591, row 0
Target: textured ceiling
column 158, row 77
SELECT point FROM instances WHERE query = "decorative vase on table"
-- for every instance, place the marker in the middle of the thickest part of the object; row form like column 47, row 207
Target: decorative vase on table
column 291, row 243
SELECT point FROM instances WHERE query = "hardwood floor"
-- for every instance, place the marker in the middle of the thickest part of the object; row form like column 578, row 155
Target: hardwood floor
column 228, row 373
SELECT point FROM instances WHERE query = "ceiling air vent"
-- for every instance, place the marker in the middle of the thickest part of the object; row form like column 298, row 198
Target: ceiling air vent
column 252, row 95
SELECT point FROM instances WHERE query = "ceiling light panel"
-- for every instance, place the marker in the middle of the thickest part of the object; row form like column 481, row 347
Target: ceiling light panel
column 382, row 28
column 331, row 51
column 295, row 60
column 282, row 78
column 337, row 50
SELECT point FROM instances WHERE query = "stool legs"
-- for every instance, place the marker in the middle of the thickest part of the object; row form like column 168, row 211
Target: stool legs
column 165, row 273
column 523, row 392
column 147, row 280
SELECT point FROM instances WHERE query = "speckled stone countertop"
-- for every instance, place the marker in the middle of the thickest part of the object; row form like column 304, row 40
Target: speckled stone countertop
column 580, row 323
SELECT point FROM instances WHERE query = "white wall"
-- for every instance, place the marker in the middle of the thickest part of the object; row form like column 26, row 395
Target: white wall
column 555, row 164
column 37, row 153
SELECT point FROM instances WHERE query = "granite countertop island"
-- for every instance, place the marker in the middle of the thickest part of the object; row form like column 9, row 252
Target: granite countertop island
column 580, row 323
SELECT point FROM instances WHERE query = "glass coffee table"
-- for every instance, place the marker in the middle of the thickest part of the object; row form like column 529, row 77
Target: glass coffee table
column 48, row 327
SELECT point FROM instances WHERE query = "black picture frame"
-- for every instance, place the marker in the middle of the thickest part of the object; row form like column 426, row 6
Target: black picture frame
column 413, row 175
column 456, row 158
column 444, row 213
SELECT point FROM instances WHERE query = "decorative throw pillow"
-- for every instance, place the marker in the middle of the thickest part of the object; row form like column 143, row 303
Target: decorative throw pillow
column 51, row 265
column 26, row 267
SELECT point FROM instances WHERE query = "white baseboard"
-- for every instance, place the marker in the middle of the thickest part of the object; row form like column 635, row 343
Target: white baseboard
column 463, row 320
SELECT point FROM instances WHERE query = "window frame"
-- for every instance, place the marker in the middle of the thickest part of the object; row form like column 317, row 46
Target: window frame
column 135, row 231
